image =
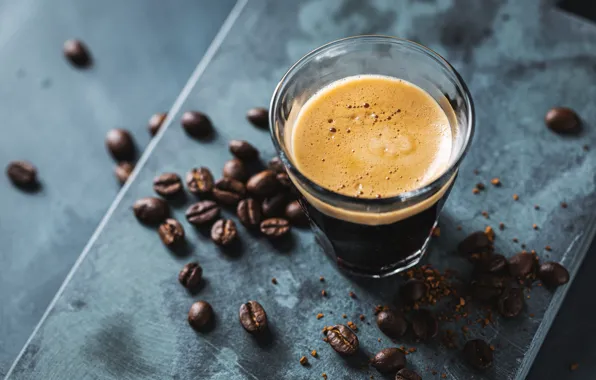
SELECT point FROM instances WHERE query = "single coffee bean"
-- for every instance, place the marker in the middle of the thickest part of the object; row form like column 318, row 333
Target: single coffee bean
column 478, row 354
column 223, row 232
column 171, row 232
column 199, row 181
column 167, row 184
column 22, row 173
column 511, row 302
column 521, row 264
column 229, row 191
column 253, row 317
column 392, row 323
column 235, row 169
column 296, row 215
column 275, row 206
column 200, row 314
column 151, row 210
column 553, row 274
column 389, row 360
column 284, row 180
column 342, row 339
column 155, row 122
column 413, row 290
column 249, row 213
column 123, row 170
column 202, row 212
column 120, row 144
column 476, row 242
column 196, row 124
column 275, row 227
column 263, row 184
column 77, row 53
column 407, row 374
column 424, row 325
column 562, row 120
column 275, row 165
column 191, row 275
column 488, row 286
column 492, row 264
column 259, row 117
column 243, row 150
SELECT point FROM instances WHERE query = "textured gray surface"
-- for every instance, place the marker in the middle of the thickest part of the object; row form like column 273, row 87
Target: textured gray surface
column 57, row 117
column 122, row 315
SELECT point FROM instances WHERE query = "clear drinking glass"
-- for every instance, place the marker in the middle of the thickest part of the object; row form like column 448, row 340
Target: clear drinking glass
column 373, row 237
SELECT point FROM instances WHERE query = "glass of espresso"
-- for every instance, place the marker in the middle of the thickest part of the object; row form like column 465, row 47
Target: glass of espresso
column 371, row 130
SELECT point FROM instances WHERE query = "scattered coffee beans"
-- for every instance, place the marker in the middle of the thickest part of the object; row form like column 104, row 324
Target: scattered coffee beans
column 259, row 117
column 77, row 53
column 249, row 213
column 521, row 264
column 196, row 124
column 120, row 144
column 235, row 169
column 274, row 206
column 199, row 181
column 167, row 184
column 229, row 191
column 342, row 339
column 22, row 173
column 562, row 120
column 191, row 275
column 171, row 232
column 263, row 184
column 553, row 274
column 478, row 354
column 200, row 314
column 389, row 360
column 151, row 210
column 275, row 227
column 202, row 213
column 243, row 150
column 295, row 214
column 424, row 325
column 413, row 290
column 224, row 232
column 155, row 122
column 123, row 170
column 392, row 323
column 253, row 317
column 511, row 302
column 407, row 374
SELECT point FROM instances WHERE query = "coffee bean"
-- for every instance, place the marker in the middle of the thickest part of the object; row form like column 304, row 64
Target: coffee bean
column 263, row 184
column 413, row 290
column 199, row 181
column 151, row 210
column 392, row 323
column 284, row 180
column 553, row 274
column 296, row 215
column 253, row 317
column 229, row 191
column 275, row 227
column 191, row 275
column 488, row 286
column 407, row 374
column 196, row 124
column 342, row 339
column 167, row 184
column 120, row 144
column 249, row 213
column 123, row 170
column 476, row 242
column 202, row 213
column 22, row 173
column 223, row 232
column 200, row 314
column 235, row 169
column 424, row 325
column 511, row 302
column 389, row 360
column 77, row 53
column 563, row 120
column 243, row 150
column 155, row 122
column 521, row 264
column 259, row 117
column 171, row 232
column 492, row 264
column 275, row 206
column 275, row 165
column 478, row 354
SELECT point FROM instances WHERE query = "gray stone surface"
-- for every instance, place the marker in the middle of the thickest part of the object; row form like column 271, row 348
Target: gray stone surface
column 122, row 315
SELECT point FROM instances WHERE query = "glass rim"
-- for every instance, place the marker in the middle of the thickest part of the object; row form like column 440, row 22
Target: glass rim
column 401, row 197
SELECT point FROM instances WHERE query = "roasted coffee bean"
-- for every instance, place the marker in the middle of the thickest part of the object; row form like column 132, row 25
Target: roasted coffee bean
column 120, row 144
column 511, row 302
column 199, row 181
column 478, row 354
column 151, row 210
column 488, row 286
column 476, row 242
column 342, row 339
column 171, row 232
column 191, row 275
column 155, row 122
column 200, row 314
column 392, row 323
column 424, row 325
column 413, row 290
column 263, row 184
column 284, row 180
column 296, row 215
column 223, row 232
column 407, row 374
column 563, row 120
column 492, row 264
column 22, row 173
column 167, row 184
column 389, row 360
column 253, row 317
column 249, row 213
column 123, row 170
column 202, row 213
column 275, row 165
column 521, row 264
column 259, row 117
column 229, row 191
column 77, row 53
column 196, row 124
column 274, row 206
column 243, row 150
column 235, row 169
column 275, row 227
column 553, row 274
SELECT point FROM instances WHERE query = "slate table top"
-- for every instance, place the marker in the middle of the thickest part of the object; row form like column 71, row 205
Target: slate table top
column 122, row 314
